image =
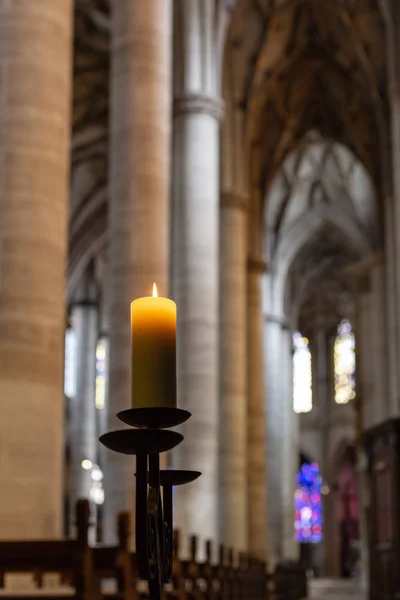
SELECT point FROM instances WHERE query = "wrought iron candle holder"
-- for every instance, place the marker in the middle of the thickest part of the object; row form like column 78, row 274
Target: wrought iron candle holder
column 154, row 511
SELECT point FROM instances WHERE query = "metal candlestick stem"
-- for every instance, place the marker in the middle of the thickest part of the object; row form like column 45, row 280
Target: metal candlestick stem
column 154, row 519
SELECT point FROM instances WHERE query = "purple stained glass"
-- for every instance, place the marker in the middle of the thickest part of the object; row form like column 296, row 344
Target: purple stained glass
column 307, row 504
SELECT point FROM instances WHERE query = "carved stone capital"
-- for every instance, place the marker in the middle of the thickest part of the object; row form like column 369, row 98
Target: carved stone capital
column 231, row 200
column 198, row 104
column 278, row 320
column 257, row 266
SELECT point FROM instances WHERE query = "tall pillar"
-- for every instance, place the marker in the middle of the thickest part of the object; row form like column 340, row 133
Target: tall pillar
column 395, row 105
column 392, row 210
column 390, row 293
column 367, row 406
column 83, row 430
column 233, row 368
column 35, row 99
column 256, row 425
column 274, row 403
column 290, row 445
column 282, row 440
column 139, row 200
column 372, row 388
column 321, row 360
column 195, row 259
column 379, row 341
column 322, row 409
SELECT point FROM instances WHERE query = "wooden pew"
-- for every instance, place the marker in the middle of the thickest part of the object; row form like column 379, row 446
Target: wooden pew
column 208, row 573
column 232, row 577
column 118, row 562
column 72, row 559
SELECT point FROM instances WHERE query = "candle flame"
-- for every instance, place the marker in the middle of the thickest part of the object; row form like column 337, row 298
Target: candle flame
column 155, row 293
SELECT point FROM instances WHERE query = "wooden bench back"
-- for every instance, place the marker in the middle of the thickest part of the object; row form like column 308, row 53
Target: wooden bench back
column 71, row 559
column 231, row 577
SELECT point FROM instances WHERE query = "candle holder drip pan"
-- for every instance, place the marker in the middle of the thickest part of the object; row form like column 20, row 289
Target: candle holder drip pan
column 157, row 417
column 141, row 441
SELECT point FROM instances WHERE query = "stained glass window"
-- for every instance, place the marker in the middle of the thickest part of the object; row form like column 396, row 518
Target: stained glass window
column 302, row 380
column 70, row 363
column 307, row 504
column 101, row 350
column 344, row 364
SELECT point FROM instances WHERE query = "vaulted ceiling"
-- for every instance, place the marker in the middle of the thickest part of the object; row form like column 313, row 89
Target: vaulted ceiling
column 297, row 65
column 310, row 78
column 321, row 215
column 88, row 206
column 325, row 175
column 319, row 289
column 91, row 64
column 294, row 65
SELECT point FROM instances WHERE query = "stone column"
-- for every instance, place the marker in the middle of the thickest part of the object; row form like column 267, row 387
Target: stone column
column 379, row 342
column 233, row 365
column 321, row 361
column 391, row 13
column 139, row 200
column 35, row 99
column 83, row 430
column 322, row 409
column 367, row 400
column 392, row 243
column 282, row 439
column 290, row 446
column 390, row 293
column 274, row 404
column 195, row 260
column 256, row 430
column 372, row 398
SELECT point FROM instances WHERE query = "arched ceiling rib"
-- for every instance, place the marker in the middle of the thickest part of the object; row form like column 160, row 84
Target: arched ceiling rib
column 321, row 215
column 89, row 126
column 326, row 174
column 308, row 64
column 318, row 289
column 292, row 65
column 91, row 64
column 310, row 77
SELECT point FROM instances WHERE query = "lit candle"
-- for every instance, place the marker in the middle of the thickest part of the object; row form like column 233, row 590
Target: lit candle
column 153, row 322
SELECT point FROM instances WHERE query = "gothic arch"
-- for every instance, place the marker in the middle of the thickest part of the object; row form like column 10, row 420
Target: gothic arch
column 321, row 203
column 92, row 241
column 272, row 49
column 308, row 230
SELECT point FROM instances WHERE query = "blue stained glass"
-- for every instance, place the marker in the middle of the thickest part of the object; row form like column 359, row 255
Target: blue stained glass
column 307, row 504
